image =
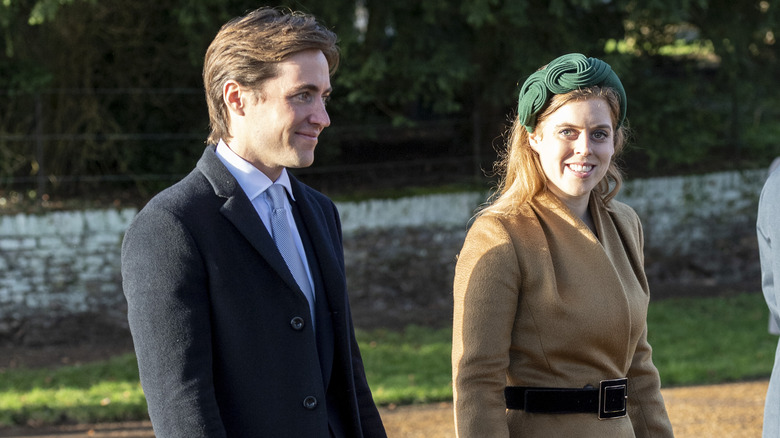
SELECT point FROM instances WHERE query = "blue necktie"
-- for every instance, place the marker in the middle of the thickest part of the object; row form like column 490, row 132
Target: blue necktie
column 280, row 228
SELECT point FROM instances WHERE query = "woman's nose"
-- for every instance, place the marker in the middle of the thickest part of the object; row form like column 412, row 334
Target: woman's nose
column 582, row 145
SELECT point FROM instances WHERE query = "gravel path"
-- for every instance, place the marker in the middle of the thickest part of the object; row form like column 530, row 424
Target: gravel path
column 733, row 410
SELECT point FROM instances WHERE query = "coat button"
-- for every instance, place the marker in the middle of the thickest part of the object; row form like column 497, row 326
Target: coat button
column 310, row 402
column 297, row 323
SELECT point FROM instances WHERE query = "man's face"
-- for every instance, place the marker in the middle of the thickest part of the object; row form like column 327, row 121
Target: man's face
column 283, row 119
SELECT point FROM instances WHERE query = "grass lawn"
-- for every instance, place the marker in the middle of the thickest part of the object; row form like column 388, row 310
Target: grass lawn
column 711, row 340
column 695, row 341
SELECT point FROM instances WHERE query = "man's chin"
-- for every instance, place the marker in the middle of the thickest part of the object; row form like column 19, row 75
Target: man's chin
column 301, row 162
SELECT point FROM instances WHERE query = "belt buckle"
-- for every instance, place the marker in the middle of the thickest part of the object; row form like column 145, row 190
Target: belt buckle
column 612, row 398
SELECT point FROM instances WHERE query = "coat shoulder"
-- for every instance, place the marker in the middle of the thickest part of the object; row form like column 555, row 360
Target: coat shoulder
column 311, row 194
column 503, row 236
column 192, row 197
column 623, row 213
column 523, row 220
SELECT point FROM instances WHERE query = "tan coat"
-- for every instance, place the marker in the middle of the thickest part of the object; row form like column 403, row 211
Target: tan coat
column 541, row 301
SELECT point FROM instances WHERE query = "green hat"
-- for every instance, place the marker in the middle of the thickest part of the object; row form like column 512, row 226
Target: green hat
column 563, row 74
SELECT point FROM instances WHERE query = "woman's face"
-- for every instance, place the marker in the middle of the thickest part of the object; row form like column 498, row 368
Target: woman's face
column 575, row 145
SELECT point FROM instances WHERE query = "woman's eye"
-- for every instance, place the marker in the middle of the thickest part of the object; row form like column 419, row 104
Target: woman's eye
column 568, row 133
column 600, row 135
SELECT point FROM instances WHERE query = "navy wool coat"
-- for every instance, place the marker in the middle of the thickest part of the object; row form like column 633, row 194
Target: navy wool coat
column 223, row 333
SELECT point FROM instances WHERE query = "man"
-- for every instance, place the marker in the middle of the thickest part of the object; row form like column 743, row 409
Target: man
column 768, row 229
column 774, row 329
column 241, row 328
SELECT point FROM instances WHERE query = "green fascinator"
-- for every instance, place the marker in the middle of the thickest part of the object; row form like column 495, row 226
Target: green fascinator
column 563, row 74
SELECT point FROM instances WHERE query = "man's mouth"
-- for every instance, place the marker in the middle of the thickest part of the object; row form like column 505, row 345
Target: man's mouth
column 312, row 135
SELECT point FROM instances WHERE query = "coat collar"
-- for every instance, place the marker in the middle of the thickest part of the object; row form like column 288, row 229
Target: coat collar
column 325, row 234
column 239, row 211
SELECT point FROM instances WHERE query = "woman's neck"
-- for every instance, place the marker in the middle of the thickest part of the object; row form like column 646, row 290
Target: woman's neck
column 579, row 206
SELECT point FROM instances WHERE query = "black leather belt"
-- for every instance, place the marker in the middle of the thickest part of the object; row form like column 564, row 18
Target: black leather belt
column 608, row 400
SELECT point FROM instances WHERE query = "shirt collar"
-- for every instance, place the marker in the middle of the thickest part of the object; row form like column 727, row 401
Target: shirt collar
column 252, row 181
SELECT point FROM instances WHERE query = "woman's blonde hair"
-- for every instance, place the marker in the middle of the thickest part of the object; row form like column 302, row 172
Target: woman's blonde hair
column 520, row 172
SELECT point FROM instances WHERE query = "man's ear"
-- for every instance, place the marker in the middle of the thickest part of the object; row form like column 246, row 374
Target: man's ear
column 234, row 96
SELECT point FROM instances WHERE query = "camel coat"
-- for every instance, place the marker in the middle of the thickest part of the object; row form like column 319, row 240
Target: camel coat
column 539, row 300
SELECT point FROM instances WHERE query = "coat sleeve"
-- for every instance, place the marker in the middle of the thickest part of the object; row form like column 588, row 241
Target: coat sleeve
column 370, row 421
column 164, row 281
column 767, row 226
column 646, row 406
column 768, row 250
column 486, row 285
column 645, row 403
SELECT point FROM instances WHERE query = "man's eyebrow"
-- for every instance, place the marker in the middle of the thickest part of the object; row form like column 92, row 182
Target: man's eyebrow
column 312, row 87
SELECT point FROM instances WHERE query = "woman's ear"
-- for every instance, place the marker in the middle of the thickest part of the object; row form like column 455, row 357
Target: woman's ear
column 535, row 139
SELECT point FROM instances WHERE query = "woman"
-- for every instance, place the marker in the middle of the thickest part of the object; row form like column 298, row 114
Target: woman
column 550, row 294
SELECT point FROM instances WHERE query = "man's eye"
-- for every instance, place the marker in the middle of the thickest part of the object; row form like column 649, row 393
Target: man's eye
column 325, row 100
column 303, row 97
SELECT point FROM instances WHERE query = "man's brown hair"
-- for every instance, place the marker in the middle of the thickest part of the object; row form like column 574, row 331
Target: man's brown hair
column 247, row 50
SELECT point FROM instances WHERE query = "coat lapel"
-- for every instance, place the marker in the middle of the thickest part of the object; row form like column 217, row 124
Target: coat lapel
column 328, row 275
column 241, row 213
column 586, row 277
column 326, row 255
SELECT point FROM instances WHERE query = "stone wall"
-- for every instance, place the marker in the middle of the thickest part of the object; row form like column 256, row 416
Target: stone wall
column 700, row 231
column 60, row 264
column 400, row 254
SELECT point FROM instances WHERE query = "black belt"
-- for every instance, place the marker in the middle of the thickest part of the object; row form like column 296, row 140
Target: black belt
column 608, row 400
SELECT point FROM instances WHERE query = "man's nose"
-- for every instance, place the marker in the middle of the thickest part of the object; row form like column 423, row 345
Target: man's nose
column 320, row 115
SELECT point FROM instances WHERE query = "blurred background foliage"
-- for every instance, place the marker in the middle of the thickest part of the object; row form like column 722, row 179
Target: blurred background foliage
column 108, row 93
